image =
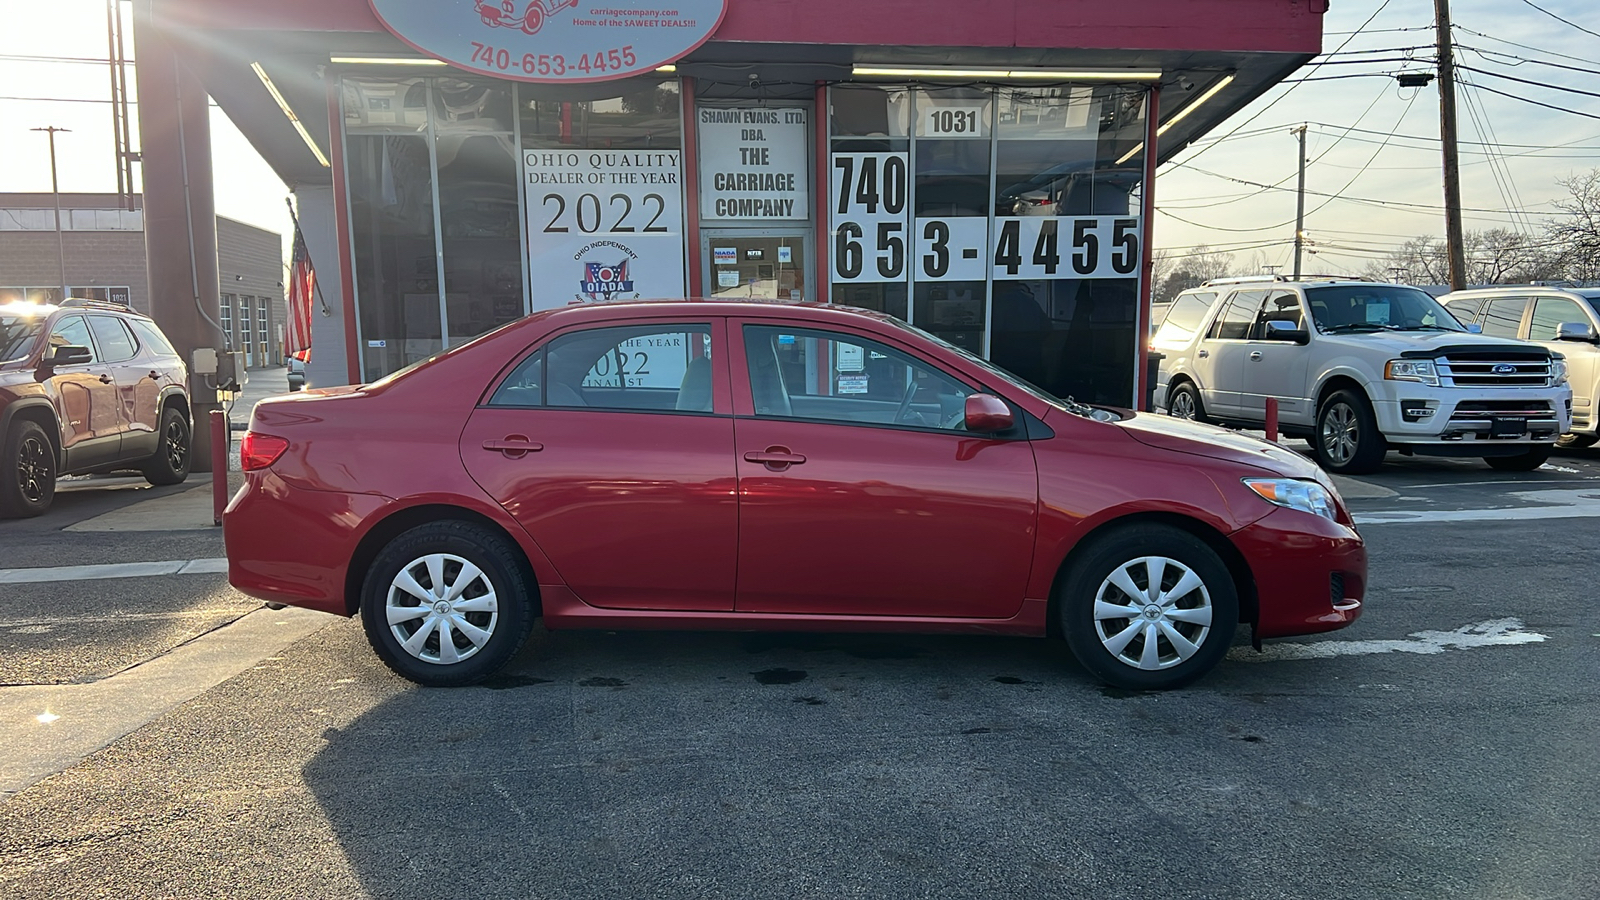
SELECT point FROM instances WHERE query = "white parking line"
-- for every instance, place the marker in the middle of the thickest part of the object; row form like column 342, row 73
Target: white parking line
column 1493, row 633
column 1570, row 504
column 34, row 575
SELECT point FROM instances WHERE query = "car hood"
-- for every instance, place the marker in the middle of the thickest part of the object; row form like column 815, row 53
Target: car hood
column 1185, row 436
column 1400, row 342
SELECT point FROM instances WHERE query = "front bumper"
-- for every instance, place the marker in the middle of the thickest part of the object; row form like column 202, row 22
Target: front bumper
column 1310, row 573
column 1421, row 414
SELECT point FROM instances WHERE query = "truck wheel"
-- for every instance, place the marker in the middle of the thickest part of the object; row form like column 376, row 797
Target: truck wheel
column 1347, row 439
column 1184, row 403
column 170, row 463
column 27, row 471
column 1572, row 441
column 1522, row 462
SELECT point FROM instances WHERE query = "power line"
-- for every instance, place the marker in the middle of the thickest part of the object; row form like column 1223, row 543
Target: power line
column 1525, row 46
column 1522, row 60
column 1553, row 87
column 1559, row 19
column 1537, row 103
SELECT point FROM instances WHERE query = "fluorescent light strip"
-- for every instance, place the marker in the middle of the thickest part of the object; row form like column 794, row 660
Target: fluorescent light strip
column 287, row 111
column 1051, row 74
column 389, row 60
column 1182, row 113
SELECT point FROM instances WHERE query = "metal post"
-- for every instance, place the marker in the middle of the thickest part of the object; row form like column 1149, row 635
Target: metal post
column 55, row 188
column 221, row 443
column 1300, row 203
column 1272, row 419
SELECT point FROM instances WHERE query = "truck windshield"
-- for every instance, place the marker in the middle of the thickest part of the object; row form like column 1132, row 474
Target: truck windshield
column 17, row 333
column 1377, row 307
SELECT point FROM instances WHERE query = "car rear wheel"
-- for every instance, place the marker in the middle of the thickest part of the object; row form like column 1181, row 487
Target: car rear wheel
column 1185, row 403
column 1347, row 439
column 170, row 463
column 1522, row 462
column 445, row 604
column 27, row 471
column 1148, row 607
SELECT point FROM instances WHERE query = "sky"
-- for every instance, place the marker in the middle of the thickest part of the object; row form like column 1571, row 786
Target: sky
column 1389, row 187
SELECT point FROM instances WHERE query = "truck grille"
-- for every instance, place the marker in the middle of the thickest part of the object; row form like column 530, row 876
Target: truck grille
column 1469, row 370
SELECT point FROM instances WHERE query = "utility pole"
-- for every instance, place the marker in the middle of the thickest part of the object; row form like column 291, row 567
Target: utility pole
column 1300, row 202
column 1447, row 137
column 55, row 188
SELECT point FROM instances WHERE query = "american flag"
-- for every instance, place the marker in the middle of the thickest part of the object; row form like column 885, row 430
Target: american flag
column 302, row 284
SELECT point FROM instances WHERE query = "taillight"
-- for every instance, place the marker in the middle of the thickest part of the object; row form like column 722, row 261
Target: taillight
column 258, row 451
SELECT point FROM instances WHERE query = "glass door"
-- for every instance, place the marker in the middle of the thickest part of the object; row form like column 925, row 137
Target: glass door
column 747, row 264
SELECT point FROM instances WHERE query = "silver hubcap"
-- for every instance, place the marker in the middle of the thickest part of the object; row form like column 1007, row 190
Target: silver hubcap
column 1339, row 434
column 441, row 608
column 1152, row 613
column 1182, row 405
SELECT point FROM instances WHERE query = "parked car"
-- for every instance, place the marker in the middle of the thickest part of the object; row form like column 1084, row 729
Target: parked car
column 297, row 373
column 748, row 466
column 1359, row 368
column 1562, row 320
column 85, row 387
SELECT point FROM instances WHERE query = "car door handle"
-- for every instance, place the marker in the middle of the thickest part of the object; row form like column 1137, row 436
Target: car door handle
column 775, row 458
column 105, row 379
column 514, row 446
column 1255, row 354
column 1203, row 354
column 154, row 375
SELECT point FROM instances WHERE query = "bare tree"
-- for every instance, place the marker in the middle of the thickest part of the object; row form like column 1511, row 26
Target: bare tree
column 1191, row 269
column 1495, row 256
column 1576, row 235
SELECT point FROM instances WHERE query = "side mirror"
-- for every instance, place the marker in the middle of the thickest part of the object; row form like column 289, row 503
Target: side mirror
column 1474, row 329
column 1279, row 330
column 69, row 355
column 986, row 414
column 1576, row 331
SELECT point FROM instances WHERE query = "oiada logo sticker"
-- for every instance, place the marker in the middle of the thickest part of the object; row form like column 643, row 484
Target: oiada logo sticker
column 605, row 275
column 530, row 20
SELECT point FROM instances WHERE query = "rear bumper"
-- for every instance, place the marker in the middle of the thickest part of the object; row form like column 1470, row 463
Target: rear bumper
column 1310, row 573
column 293, row 546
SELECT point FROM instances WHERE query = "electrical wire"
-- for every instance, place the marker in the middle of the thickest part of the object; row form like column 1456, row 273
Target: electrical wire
column 1524, row 46
column 1559, row 19
column 1522, row 60
column 1553, row 87
column 1537, row 103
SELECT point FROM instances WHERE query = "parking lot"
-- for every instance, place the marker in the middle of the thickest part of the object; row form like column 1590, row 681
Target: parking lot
column 1443, row 746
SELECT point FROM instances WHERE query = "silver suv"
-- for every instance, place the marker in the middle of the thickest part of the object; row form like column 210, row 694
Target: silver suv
column 1560, row 319
column 1358, row 368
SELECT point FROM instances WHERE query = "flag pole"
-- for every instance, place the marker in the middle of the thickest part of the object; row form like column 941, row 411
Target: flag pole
column 299, row 236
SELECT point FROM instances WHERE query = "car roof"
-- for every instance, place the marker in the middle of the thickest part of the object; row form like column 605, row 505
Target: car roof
column 759, row 309
column 1522, row 290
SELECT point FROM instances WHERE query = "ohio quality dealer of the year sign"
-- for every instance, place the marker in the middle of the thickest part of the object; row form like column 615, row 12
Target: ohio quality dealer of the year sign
column 553, row 41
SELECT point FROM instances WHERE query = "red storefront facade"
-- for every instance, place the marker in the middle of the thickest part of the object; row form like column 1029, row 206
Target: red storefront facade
column 977, row 169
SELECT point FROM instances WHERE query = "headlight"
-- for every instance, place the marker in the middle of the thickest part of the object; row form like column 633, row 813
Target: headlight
column 1306, row 496
column 1558, row 372
column 1411, row 370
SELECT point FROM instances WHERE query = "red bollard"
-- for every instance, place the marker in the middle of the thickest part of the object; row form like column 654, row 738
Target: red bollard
column 1272, row 419
column 221, row 445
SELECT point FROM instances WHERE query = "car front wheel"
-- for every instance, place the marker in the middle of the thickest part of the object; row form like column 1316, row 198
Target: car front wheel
column 1148, row 607
column 27, row 471
column 170, row 464
column 1185, row 403
column 1576, row 441
column 1347, row 439
column 445, row 604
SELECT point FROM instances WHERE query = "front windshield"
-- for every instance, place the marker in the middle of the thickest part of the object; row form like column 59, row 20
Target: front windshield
column 1377, row 307
column 17, row 333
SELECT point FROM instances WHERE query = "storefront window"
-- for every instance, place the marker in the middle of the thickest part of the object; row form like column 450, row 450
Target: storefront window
column 478, row 213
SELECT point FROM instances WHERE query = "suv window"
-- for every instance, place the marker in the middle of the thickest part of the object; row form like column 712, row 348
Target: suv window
column 1280, row 306
column 1184, row 318
column 1235, row 321
column 1548, row 315
column 1502, row 317
column 72, row 332
column 116, row 344
column 17, row 334
column 1377, row 307
column 655, row 367
column 1466, row 309
column 865, row 382
column 151, row 337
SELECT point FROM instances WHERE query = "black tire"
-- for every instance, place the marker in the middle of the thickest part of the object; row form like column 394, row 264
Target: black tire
column 1522, row 462
column 1347, row 440
column 1093, row 641
column 507, row 623
column 1571, row 441
column 1191, row 401
column 27, row 471
column 170, row 463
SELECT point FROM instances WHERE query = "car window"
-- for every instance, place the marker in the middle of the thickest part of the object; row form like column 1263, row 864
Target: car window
column 656, row 367
column 1503, row 316
column 151, row 337
column 116, row 344
column 830, row 376
column 1548, row 315
column 1185, row 316
column 1466, row 309
column 17, row 334
column 72, row 332
column 1235, row 321
column 1376, row 307
column 1280, row 306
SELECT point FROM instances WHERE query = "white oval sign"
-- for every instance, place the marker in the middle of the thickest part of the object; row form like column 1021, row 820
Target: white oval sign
column 553, row 41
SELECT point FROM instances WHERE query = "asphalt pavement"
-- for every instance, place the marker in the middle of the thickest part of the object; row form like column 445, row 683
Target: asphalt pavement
column 1443, row 746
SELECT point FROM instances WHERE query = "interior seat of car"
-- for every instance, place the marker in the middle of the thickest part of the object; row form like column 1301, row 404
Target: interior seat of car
column 694, row 393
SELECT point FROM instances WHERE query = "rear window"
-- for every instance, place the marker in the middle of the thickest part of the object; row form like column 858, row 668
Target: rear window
column 151, row 337
column 1466, row 309
column 1185, row 316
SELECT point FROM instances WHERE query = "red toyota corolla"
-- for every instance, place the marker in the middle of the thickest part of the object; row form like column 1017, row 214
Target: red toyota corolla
column 748, row 466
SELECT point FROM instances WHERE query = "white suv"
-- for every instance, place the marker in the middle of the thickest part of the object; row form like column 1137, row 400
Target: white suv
column 1358, row 368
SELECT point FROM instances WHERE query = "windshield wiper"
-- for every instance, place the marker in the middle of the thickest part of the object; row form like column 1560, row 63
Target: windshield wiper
column 1358, row 326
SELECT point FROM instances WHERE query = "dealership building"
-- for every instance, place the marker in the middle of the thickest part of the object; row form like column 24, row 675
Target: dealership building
column 982, row 170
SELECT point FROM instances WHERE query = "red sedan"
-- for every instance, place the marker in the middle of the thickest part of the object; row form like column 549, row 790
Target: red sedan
column 748, row 466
